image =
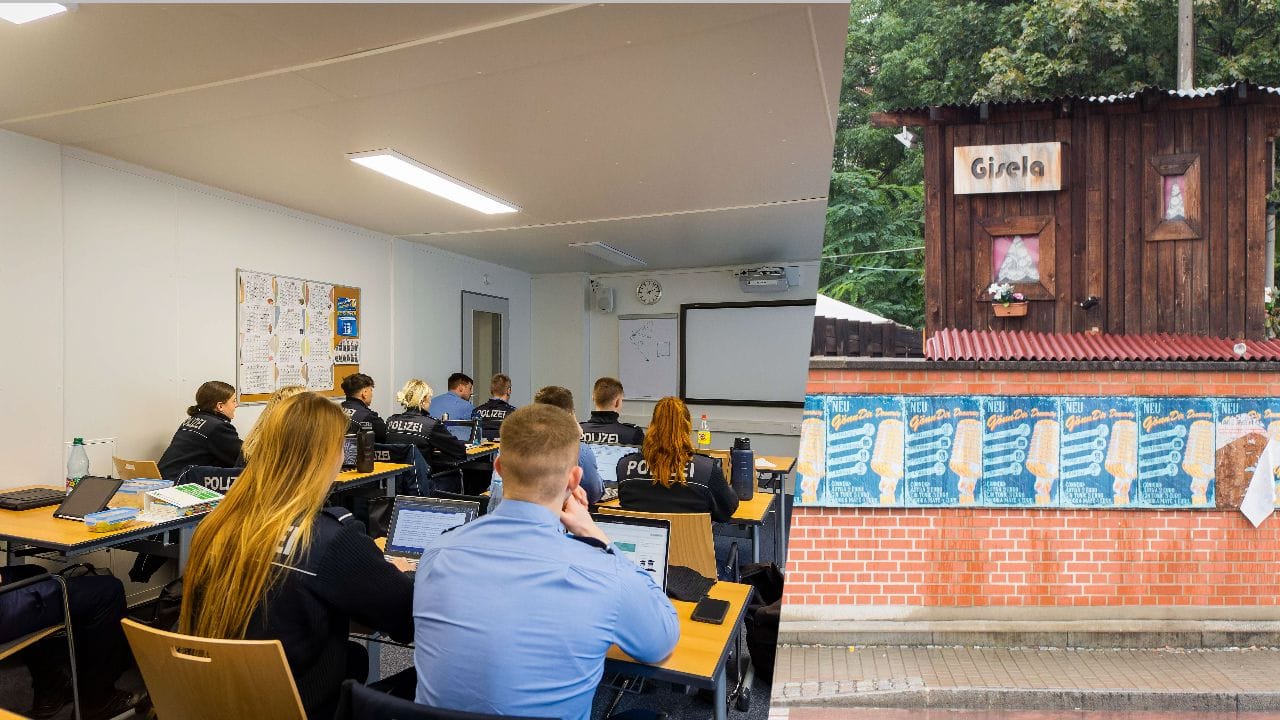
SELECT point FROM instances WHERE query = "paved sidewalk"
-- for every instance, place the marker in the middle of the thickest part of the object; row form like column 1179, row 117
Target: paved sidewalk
column 1029, row 678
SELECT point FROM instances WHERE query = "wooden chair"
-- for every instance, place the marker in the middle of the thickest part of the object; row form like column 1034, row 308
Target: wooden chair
column 19, row 644
column 691, row 542
column 201, row 679
column 136, row 469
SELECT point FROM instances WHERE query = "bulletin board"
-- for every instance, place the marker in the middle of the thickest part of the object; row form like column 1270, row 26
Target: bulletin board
column 294, row 331
column 1029, row 451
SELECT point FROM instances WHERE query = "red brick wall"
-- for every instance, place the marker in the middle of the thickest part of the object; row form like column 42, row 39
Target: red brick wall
column 972, row 557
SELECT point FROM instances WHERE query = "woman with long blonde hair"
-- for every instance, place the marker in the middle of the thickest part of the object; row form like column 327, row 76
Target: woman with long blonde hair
column 668, row 476
column 251, row 440
column 269, row 564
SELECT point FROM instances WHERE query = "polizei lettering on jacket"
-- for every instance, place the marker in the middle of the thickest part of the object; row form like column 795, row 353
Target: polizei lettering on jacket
column 641, row 467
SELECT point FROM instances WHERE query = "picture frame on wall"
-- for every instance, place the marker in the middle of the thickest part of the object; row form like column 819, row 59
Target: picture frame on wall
column 1018, row 250
column 1173, row 210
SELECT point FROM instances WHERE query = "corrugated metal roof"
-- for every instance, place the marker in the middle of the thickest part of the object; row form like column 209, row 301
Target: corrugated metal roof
column 1022, row 345
column 1102, row 99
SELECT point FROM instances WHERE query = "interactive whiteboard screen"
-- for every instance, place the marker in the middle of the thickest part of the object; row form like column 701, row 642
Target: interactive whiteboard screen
column 745, row 354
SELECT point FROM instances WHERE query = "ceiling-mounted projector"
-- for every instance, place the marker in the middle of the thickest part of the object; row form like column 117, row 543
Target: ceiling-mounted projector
column 768, row 279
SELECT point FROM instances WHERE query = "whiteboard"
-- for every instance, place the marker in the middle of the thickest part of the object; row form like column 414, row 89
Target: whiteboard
column 648, row 352
column 746, row 353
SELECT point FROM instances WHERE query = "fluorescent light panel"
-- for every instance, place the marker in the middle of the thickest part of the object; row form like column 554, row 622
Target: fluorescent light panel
column 19, row 13
column 407, row 170
column 608, row 252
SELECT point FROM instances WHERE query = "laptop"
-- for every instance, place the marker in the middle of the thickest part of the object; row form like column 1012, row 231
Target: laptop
column 468, row 431
column 90, row 495
column 417, row 521
column 607, row 457
column 644, row 541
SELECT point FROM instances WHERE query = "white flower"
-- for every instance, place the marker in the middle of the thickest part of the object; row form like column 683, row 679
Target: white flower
column 1269, row 294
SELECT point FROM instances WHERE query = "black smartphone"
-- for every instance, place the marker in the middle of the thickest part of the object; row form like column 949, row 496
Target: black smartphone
column 711, row 611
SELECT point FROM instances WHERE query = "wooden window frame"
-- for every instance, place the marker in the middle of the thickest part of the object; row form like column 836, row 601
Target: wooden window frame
column 1187, row 164
column 1041, row 226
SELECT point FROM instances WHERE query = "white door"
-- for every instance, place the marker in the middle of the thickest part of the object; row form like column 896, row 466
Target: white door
column 486, row 333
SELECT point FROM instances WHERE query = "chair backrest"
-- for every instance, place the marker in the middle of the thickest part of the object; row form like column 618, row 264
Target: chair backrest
column 217, row 479
column 136, row 469
column 201, row 679
column 359, row 702
column 691, row 542
column 406, row 454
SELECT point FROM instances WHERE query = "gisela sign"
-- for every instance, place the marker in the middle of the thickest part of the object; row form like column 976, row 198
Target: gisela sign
column 1026, row 167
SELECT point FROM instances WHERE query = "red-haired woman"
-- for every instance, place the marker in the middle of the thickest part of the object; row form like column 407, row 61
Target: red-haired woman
column 668, row 476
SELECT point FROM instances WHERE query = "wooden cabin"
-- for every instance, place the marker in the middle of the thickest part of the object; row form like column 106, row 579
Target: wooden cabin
column 1137, row 213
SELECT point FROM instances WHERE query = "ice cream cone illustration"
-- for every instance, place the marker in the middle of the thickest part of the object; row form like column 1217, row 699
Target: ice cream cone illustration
column 966, row 458
column 1042, row 459
column 1122, row 458
column 886, row 458
column 1198, row 461
column 811, row 465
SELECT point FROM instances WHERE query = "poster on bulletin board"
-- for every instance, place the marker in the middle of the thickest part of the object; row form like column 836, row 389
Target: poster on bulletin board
column 1030, row 451
column 293, row 331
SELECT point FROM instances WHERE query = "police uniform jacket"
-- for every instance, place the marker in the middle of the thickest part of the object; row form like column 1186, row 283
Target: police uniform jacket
column 491, row 414
column 206, row 438
column 437, row 444
column 364, row 418
column 603, row 427
column 705, row 491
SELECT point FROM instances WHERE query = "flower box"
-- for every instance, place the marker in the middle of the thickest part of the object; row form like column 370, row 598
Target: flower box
column 1013, row 309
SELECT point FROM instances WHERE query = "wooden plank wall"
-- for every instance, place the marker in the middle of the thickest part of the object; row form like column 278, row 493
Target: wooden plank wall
column 1210, row 286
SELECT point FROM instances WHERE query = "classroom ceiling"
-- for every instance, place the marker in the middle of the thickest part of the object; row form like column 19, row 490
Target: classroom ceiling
column 687, row 135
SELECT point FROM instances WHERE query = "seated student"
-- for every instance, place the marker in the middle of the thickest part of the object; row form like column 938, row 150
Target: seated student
column 207, row 436
column 511, row 615
column 455, row 404
column 603, row 426
column 255, row 434
column 415, row 426
column 668, row 476
column 97, row 604
column 492, row 413
column 359, row 390
column 268, row 563
column 562, row 398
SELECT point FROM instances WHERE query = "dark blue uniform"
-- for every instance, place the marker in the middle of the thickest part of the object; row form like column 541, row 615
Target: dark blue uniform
column 491, row 414
column 364, row 418
column 206, row 438
column 603, row 427
column 705, row 489
column 438, row 445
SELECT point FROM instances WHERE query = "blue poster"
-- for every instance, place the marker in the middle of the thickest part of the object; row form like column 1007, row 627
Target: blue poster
column 864, row 444
column 942, row 459
column 1019, row 451
column 1176, row 446
column 1097, row 451
column 347, row 325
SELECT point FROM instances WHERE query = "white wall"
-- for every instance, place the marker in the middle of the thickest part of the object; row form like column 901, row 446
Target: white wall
column 126, row 282
column 556, row 343
column 31, row 278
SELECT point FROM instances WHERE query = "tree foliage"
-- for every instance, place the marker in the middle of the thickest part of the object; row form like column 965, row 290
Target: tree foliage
column 910, row 53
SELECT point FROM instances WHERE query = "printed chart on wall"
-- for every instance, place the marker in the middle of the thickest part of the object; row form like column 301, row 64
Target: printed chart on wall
column 1031, row 451
column 292, row 331
column 647, row 354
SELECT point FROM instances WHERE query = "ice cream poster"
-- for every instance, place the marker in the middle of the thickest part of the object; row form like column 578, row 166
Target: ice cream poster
column 851, row 451
column 1176, row 447
column 1244, row 427
column 1097, row 451
column 1019, row 451
column 942, row 457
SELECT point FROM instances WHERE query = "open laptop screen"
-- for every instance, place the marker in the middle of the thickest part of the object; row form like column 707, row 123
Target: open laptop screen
column 643, row 541
column 464, row 430
column 607, row 457
column 416, row 522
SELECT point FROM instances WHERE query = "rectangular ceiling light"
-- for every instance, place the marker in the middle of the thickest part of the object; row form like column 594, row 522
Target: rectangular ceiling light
column 608, row 252
column 19, row 13
column 407, row 170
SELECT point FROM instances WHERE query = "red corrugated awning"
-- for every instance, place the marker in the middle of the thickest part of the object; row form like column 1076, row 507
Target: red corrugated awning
column 1020, row 345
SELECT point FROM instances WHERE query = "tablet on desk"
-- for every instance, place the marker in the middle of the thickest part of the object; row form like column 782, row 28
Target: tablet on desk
column 90, row 495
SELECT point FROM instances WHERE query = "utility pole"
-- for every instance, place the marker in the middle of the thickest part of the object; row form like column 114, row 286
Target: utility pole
column 1186, row 46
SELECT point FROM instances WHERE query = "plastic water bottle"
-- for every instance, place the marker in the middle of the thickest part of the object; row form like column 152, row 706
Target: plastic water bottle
column 77, row 463
column 495, row 492
column 704, row 435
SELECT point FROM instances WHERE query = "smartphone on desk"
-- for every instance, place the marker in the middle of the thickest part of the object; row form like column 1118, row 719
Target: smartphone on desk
column 710, row 610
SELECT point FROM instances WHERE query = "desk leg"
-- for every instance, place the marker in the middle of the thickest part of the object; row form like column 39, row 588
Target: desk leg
column 721, row 691
column 781, row 541
column 375, row 661
column 755, row 543
column 389, row 485
column 184, row 547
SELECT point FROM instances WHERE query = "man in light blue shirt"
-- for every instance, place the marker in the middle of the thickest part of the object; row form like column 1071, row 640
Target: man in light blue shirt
column 457, row 402
column 514, row 617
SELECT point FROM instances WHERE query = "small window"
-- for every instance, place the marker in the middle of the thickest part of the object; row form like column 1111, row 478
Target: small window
column 1177, row 180
column 1015, row 259
column 1020, row 251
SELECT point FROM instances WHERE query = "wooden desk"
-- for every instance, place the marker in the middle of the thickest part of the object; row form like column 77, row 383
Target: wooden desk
column 69, row 538
column 701, row 657
column 483, row 450
column 351, row 479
